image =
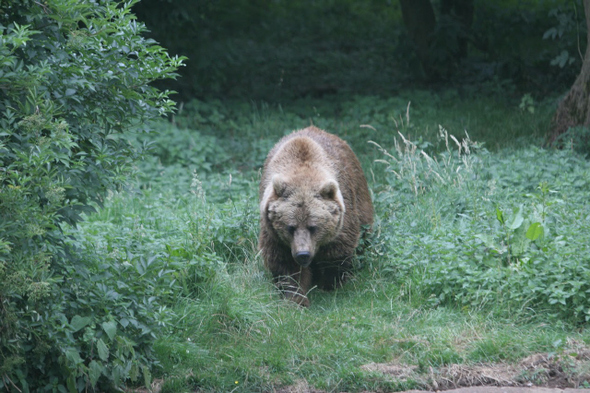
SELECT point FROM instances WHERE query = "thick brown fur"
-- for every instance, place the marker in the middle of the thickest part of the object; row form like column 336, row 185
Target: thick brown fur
column 314, row 199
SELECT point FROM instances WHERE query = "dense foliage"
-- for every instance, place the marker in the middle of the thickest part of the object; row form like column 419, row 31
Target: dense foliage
column 73, row 81
column 505, row 232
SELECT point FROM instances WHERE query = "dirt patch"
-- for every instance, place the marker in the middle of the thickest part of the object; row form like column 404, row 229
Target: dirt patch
column 457, row 375
column 300, row 387
column 566, row 370
column 399, row 371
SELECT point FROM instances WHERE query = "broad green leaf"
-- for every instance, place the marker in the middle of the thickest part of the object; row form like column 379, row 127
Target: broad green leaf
column 103, row 350
column 147, row 376
column 116, row 373
column 71, row 382
column 73, row 356
column 487, row 239
column 516, row 220
column 520, row 242
column 79, row 322
column 535, row 231
column 94, row 371
column 500, row 215
column 110, row 328
column 134, row 372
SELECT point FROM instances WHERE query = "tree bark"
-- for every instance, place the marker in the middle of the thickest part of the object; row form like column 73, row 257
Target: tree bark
column 574, row 110
column 418, row 16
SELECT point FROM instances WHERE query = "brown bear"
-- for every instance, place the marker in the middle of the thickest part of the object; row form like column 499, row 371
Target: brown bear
column 314, row 199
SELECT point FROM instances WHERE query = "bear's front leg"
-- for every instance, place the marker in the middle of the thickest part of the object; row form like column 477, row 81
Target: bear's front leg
column 293, row 280
column 295, row 286
column 330, row 275
column 334, row 265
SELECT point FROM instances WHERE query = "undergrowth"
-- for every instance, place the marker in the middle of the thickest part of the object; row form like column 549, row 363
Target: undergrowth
column 479, row 252
column 505, row 232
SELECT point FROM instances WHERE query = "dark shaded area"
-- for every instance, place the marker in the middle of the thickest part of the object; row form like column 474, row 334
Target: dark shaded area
column 420, row 22
column 275, row 50
column 574, row 109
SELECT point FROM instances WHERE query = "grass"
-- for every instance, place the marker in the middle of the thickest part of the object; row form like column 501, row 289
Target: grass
column 446, row 279
column 260, row 342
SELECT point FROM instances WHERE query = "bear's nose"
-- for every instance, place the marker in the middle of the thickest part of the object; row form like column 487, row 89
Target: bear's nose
column 303, row 258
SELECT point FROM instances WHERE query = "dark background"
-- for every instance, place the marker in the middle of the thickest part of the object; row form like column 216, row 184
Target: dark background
column 278, row 50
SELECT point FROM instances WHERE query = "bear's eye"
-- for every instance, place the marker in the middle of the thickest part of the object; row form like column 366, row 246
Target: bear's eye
column 312, row 229
column 291, row 229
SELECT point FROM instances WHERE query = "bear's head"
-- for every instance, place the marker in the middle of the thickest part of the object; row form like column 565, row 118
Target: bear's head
column 304, row 214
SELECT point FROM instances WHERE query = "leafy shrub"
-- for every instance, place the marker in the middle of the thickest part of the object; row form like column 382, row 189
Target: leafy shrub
column 231, row 234
column 103, row 316
column 74, row 78
column 575, row 138
column 511, row 237
column 188, row 148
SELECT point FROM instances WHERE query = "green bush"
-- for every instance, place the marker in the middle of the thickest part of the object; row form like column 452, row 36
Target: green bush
column 505, row 233
column 184, row 147
column 74, row 79
column 575, row 138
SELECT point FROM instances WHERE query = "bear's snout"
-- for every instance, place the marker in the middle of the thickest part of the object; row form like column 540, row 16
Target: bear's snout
column 303, row 258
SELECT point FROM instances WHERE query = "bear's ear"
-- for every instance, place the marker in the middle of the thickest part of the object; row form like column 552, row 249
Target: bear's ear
column 331, row 191
column 279, row 185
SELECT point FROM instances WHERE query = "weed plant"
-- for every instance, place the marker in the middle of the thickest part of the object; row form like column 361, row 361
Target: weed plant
column 479, row 252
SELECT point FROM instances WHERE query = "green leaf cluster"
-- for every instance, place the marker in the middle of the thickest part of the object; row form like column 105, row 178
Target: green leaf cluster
column 74, row 81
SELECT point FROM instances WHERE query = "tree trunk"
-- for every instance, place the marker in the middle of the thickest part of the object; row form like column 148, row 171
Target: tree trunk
column 574, row 110
column 462, row 12
column 420, row 21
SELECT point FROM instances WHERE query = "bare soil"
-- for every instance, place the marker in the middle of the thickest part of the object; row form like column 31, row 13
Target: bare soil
column 541, row 370
column 570, row 369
